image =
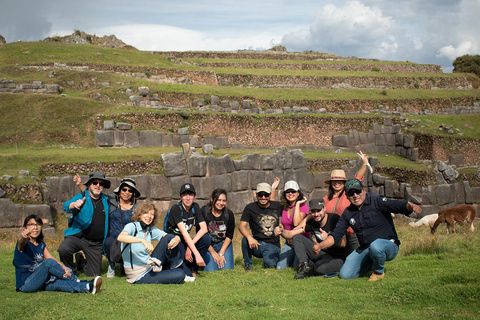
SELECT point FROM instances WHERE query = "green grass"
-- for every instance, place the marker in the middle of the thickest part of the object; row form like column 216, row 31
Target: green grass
column 419, row 284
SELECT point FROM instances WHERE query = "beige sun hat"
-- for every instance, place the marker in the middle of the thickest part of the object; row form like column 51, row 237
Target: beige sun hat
column 336, row 175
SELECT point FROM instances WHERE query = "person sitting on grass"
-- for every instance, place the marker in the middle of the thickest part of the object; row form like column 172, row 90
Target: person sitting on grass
column 263, row 217
column 142, row 262
column 370, row 217
column 36, row 269
column 180, row 219
column 221, row 227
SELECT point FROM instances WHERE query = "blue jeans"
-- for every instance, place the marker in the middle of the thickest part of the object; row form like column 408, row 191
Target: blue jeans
column 372, row 258
column 202, row 246
column 171, row 259
column 49, row 267
column 269, row 252
column 287, row 257
column 211, row 265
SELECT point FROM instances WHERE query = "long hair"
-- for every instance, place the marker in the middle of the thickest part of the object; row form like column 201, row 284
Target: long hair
column 215, row 195
column 39, row 221
column 144, row 208
column 284, row 202
column 331, row 192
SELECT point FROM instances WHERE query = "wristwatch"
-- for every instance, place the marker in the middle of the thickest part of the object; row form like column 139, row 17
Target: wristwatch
column 221, row 254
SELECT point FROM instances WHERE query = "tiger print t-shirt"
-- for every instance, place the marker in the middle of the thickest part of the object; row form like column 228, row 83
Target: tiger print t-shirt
column 263, row 221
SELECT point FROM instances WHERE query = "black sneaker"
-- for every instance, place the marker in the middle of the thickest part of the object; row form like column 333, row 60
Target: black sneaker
column 248, row 268
column 304, row 271
column 95, row 284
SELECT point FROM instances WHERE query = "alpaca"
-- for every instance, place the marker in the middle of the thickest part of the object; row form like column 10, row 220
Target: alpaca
column 456, row 214
column 427, row 220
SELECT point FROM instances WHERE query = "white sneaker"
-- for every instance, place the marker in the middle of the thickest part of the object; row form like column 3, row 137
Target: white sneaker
column 189, row 279
column 110, row 272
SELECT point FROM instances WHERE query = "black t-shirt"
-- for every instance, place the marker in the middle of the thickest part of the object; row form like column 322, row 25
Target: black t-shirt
column 263, row 221
column 178, row 214
column 314, row 227
column 96, row 230
column 221, row 227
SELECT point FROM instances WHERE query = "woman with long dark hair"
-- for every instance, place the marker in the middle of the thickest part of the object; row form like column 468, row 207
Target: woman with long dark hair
column 221, row 226
column 36, row 269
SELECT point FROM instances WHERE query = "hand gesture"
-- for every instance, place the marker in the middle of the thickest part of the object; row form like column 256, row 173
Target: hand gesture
column 275, row 183
column 77, row 204
column 299, row 202
column 363, row 157
column 413, row 207
column 174, row 242
column 252, row 243
column 278, row 230
column 77, row 180
column 324, row 234
column 26, row 233
column 316, row 248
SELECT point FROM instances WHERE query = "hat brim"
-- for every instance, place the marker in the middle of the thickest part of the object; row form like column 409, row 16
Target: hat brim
column 106, row 182
column 335, row 179
column 127, row 183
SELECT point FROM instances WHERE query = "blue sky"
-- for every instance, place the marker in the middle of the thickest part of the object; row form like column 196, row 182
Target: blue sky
column 422, row 31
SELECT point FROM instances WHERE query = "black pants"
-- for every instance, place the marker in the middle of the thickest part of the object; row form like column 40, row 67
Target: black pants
column 324, row 262
column 92, row 250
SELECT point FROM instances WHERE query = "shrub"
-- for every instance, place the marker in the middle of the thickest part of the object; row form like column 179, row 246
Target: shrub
column 416, row 85
column 467, row 63
column 375, row 69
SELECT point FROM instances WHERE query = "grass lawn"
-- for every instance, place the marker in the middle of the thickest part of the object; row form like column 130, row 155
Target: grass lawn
column 433, row 277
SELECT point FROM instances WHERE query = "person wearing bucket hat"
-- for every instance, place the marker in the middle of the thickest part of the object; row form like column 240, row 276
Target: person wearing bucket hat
column 88, row 227
column 336, row 201
column 370, row 217
column 263, row 217
column 121, row 210
column 180, row 220
column 294, row 210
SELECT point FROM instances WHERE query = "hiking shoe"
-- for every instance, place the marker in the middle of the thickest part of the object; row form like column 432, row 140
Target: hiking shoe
column 189, row 279
column 80, row 261
column 376, row 276
column 95, row 284
column 111, row 272
column 304, row 271
column 248, row 268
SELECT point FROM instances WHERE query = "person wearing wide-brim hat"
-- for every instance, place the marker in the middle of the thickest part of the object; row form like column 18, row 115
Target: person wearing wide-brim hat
column 88, row 227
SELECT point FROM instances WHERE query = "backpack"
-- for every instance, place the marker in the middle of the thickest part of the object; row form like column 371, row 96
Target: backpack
column 181, row 212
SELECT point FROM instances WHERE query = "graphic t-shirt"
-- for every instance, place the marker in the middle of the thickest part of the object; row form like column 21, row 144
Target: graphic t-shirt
column 263, row 221
column 189, row 218
column 221, row 227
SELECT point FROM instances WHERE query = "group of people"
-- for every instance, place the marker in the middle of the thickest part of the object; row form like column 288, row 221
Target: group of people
column 347, row 233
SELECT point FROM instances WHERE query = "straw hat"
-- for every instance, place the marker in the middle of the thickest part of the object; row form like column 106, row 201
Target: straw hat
column 336, row 175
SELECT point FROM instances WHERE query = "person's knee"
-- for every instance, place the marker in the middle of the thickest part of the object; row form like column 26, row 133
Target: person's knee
column 346, row 274
column 64, row 249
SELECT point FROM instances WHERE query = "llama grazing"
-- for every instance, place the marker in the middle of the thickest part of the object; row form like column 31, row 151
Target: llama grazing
column 456, row 214
column 428, row 220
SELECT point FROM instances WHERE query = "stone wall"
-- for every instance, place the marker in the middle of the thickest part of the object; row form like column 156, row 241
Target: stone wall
column 239, row 178
column 8, row 86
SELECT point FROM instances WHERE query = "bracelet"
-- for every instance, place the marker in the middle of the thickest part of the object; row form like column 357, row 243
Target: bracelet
column 221, row 254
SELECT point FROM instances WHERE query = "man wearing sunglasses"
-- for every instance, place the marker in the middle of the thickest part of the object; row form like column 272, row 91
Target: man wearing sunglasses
column 370, row 217
column 88, row 227
column 263, row 218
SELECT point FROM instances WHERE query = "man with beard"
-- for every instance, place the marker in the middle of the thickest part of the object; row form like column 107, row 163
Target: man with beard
column 263, row 218
column 88, row 227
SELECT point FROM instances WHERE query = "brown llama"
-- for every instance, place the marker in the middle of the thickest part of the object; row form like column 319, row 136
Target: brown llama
column 451, row 216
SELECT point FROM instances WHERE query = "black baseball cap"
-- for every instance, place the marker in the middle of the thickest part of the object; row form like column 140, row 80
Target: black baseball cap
column 187, row 187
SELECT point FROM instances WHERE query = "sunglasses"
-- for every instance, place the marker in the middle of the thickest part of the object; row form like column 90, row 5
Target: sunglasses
column 33, row 225
column 353, row 192
column 127, row 190
column 290, row 191
column 100, row 183
column 263, row 195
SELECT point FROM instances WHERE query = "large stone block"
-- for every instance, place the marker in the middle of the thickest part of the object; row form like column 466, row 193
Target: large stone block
column 298, row 159
column 149, row 138
column 51, row 191
column 340, row 140
column 118, row 138
column 131, row 139
column 124, row 126
column 108, row 125
column 390, row 139
column 238, row 200
column 257, row 177
column 305, row 180
column 445, row 194
column 408, row 141
column 353, row 138
column 457, row 160
column 459, row 193
column 390, row 187
column 174, row 164
column 167, row 140
column 380, row 140
column 251, row 161
column 176, row 183
column 159, row 187
column 269, row 161
column 197, row 165
column 215, row 167
column 240, row 180
column 228, row 163
column 12, row 215
column 468, row 193
column 223, row 181
column 214, row 100
column 319, row 179
column 104, row 138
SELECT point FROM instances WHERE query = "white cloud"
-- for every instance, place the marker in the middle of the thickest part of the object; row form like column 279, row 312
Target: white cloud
column 451, row 52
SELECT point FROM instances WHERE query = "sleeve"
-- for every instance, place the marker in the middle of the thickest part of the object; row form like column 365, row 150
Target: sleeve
column 157, row 234
column 130, row 228
column 230, row 224
column 175, row 216
column 304, row 208
column 67, row 203
column 309, row 226
column 246, row 214
column 392, row 206
column 340, row 228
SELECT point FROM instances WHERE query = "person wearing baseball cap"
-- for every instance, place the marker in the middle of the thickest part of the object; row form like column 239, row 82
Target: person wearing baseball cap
column 263, row 218
column 180, row 220
column 312, row 260
column 370, row 217
column 88, row 227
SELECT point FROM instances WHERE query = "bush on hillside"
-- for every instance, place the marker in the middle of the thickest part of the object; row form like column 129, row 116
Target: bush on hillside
column 468, row 64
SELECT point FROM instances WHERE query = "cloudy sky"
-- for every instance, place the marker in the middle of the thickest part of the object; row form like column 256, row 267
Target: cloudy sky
column 422, row 31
